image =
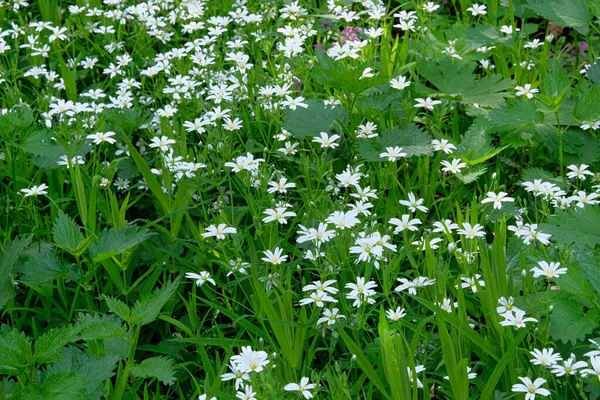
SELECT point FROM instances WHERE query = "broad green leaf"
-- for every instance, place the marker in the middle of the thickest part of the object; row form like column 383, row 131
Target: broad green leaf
column 67, row 234
column 147, row 308
column 575, row 226
column 531, row 174
column 593, row 73
column 127, row 120
column 161, row 368
column 15, row 119
column 588, row 262
column 413, row 140
column 316, row 118
column 471, row 175
column 587, row 107
column 114, row 242
column 119, row 308
column 54, row 386
column 570, row 322
column 45, row 267
column 520, row 115
column 48, row 346
column 571, row 13
column 475, row 146
column 8, row 259
column 339, row 75
column 94, row 327
column 15, row 350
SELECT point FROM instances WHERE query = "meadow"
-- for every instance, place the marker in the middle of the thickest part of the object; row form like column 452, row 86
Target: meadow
column 326, row 199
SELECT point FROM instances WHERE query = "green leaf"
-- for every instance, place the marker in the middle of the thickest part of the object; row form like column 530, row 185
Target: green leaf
column 413, row 140
column 587, row 107
column 521, row 114
column 91, row 370
column 8, row 260
column 471, row 175
column 588, row 262
column 309, row 122
column 531, row 174
column 147, row 309
column 161, row 368
column 570, row 322
column 54, row 386
column 18, row 118
column 575, row 226
column 67, row 234
column 571, row 13
column 15, row 350
column 94, row 327
column 48, row 346
column 475, row 146
column 45, row 267
column 339, row 75
column 119, row 308
column 593, row 73
column 114, row 242
column 126, row 120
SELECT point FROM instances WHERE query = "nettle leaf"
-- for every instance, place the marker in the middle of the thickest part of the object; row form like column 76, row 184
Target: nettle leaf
column 94, row 327
column 472, row 175
column 571, row 13
column 114, row 242
column 531, row 174
column 588, row 262
column 147, row 308
column 43, row 267
column 93, row 371
column 8, row 260
column 413, row 140
column 15, row 119
column 456, row 79
column 587, row 107
column 378, row 99
column 575, row 226
column 126, row 120
column 518, row 115
column 339, row 75
column 593, row 73
column 317, row 118
column 67, row 234
column 475, row 146
column 54, row 386
column 119, row 308
column 48, row 346
column 15, row 350
column 161, row 368
column 570, row 322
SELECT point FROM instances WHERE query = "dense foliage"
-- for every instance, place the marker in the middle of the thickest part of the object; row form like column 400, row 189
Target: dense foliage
column 342, row 199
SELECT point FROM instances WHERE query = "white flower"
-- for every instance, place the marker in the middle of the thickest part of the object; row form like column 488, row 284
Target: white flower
column 330, row 316
column 35, row 190
column 361, row 291
column 550, row 271
column 545, row 357
column 101, row 137
column 497, row 199
column 471, row 282
column 413, row 204
column 477, row 9
column 526, row 91
column 249, row 360
column 400, row 83
column 280, row 186
column 443, row 145
column 318, row 297
column 531, row 388
column 405, row 223
column 304, row 387
column 218, row 231
column 471, row 232
column 292, row 103
column 428, row 103
column 516, row 318
column 163, row 143
column 396, row 314
column 430, row 6
column 419, row 282
column 392, row 153
column 327, row 141
column 201, row 278
column 247, row 394
column 279, row 214
column 568, row 367
column 367, row 73
column 454, row 167
column 578, row 172
column 275, row 257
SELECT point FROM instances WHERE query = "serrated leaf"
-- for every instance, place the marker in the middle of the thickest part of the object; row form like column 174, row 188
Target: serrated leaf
column 475, row 146
column 41, row 268
column 316, row 118
column 119, row 308
column 8, row 260
column 471, row 175
column 67, row 234
column 587, row 107
column 588, row 263
column 571, row 13
column 147, row 309
column 161, row 368
column 54, row 386
column 94, row 327
column 413, row 140
column 520, row 115
column 127, row 120
column 570, row 322
column 48, row 346
column 593, row 73
column 114, row 242
column 15, row 119
column 575, row 226
column 15, row 350
column 339, row 75
column 92, row 370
